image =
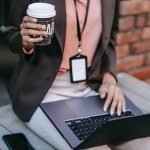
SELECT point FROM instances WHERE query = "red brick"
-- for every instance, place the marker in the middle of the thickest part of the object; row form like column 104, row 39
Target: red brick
column 141, row 73
column 147, row 61
column 126, row 23
column 146, row 33
column 140, row 47
column 122, row 50
column 148, row 20
column 134, row 7
column 130, row 62
column 140, row 21
column 128, row 37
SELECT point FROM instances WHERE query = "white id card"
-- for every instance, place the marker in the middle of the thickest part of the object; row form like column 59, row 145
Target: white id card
column 78, row 68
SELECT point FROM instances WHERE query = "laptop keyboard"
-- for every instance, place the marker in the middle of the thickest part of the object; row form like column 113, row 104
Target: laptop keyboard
column 84, row 127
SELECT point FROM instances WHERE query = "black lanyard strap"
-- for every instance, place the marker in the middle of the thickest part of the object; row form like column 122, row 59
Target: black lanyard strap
column 79, row 31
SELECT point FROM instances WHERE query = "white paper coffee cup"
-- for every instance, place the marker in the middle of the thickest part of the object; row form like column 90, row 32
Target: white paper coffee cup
column 44, row 13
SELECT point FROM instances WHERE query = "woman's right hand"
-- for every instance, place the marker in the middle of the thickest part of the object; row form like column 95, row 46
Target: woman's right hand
column 30, row 28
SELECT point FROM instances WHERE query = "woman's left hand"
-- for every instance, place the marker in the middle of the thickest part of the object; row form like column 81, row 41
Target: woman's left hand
column 113, row 95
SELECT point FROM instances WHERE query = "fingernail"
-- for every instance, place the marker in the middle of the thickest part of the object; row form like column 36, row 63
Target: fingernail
column 44, row 33
column 105, row 108
column 124, row 109
column 119, row 113
column 40, row 39
column 102, row 95
column 111, row 112
column 43, row 27
column 34, row 19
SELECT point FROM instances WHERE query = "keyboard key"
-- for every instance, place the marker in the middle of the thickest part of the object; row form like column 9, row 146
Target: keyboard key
column 85, row 127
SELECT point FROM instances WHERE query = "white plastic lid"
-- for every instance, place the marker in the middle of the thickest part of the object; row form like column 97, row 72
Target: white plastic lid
column 41, row 10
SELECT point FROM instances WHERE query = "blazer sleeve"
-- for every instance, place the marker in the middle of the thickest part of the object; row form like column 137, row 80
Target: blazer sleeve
column 109, row 57
column 16, row 13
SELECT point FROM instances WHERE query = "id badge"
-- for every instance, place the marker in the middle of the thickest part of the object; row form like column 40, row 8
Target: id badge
column 78, row 68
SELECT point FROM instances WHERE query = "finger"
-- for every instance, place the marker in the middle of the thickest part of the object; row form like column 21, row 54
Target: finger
column 35, row 26
column 29, row 19
column 31, row 23
column 27, row 44
column 21, row 25
column 120, row 106
column 115, row 100
column 123, row 103
column 27, row 32
column 27, row 39
column 109, row 97
column 103, row 91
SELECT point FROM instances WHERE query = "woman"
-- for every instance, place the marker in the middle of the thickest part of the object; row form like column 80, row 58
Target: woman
column 43, row 73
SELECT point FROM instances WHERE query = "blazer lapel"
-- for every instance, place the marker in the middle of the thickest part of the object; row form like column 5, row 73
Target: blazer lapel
column 107, row 20
column 60, row 20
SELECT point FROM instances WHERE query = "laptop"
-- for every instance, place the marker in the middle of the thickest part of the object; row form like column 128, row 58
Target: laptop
column 83, row 123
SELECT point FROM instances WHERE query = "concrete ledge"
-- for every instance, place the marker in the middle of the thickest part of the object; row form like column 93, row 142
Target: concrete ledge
column 11, row 123
column 137, row 90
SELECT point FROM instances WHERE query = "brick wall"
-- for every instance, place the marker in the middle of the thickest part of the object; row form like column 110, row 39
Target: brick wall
column 133, row 38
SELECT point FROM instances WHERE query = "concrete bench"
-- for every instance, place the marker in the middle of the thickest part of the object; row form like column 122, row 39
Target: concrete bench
column 9, row 123
column 136, row 90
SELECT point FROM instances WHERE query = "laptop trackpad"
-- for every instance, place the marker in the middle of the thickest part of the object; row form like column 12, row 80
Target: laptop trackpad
column 86, row 106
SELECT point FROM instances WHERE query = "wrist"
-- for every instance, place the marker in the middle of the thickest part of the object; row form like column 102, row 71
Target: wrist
column 108, row 77
column 28, row 49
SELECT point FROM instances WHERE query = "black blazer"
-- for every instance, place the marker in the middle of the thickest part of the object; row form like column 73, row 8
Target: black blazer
column 35, row 74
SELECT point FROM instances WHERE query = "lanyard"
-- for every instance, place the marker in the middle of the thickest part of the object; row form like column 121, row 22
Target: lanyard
column 79, row 31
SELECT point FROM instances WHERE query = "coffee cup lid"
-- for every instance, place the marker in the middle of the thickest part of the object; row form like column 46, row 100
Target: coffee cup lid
column 41, row 10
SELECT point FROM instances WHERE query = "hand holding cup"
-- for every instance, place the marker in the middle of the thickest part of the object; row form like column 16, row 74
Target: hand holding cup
column 37, row 27
column 31, row 29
